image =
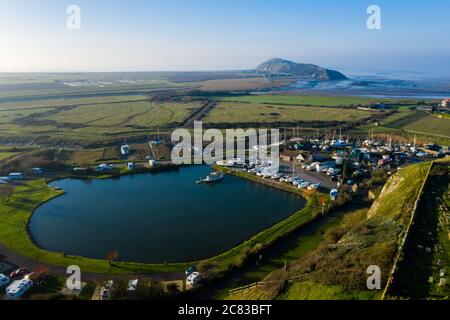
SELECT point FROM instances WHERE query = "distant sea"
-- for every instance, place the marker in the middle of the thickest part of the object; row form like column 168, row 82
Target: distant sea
column 381, row 84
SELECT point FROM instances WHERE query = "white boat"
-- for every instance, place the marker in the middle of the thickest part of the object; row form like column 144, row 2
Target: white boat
column 212, row 177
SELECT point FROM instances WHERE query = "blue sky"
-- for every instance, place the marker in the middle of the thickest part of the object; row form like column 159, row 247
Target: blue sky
column 228, row 34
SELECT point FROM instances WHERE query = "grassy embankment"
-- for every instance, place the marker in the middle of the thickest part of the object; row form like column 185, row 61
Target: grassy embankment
column 337, row 269
column 427, row 249
column 17, row 209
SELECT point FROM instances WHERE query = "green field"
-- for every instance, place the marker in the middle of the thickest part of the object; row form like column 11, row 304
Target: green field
column 326, row 101
column 235, row 112
column 70, row 102
column 430, row 125
column 79, row 122
column 408, row 122
column 47, row 88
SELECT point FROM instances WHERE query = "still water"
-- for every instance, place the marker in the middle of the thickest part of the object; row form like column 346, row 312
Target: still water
column 158, row 217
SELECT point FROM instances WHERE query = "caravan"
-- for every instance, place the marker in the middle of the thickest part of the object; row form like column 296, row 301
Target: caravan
column 18, row 288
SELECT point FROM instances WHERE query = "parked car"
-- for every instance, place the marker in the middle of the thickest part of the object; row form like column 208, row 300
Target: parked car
column 303, row 185
column 19, row 273
column 314, row 186
column 4, row 280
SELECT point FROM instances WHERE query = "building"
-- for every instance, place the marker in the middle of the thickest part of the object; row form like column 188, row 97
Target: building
column 325, row 165
column 289, row 155
column 445, row 103
column 125, row 150
column 425, row 109
column 152, row 163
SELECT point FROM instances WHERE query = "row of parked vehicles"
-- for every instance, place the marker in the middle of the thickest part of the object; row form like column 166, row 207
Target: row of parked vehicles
column 19, row 282
column 300, row 183
column 294, row 180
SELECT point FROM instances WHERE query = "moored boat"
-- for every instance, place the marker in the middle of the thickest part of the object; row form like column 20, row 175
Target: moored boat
column 214, row 176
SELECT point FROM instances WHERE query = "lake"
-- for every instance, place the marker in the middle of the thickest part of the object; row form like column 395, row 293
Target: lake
column 159, row 217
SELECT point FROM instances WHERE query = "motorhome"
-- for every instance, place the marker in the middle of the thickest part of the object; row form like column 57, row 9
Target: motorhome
column 18, row 288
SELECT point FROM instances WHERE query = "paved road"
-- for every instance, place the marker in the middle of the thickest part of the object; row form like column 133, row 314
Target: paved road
column 11, row 257
column 313, row 177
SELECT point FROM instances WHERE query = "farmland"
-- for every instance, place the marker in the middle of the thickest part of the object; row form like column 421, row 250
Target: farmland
column 235, row 112
column 430, row 125
column 325, row 101
column 408, row 122
column 87, row 121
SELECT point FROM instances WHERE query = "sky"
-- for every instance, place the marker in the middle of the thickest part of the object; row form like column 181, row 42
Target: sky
column 182, row 35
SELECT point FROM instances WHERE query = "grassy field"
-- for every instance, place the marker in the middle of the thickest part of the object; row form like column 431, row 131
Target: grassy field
column 89, row 123
column 308, row 290
column 407, row 122
column 51, row 103
column 46, row 89
column 235, row 112
column 326, row 101
column 430, row 125
column 241, row 84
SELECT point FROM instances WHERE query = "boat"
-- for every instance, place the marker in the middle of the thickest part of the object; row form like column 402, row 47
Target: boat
column 212, row 177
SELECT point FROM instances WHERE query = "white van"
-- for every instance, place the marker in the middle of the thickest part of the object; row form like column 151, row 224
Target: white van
column 18, row 288
column 194, row 279
column 4, row 280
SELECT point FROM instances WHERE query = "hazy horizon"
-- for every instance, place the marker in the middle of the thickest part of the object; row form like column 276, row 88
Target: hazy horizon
column 200, row 35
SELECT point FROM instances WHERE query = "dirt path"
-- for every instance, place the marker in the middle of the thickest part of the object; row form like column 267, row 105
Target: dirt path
column 198, row 114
